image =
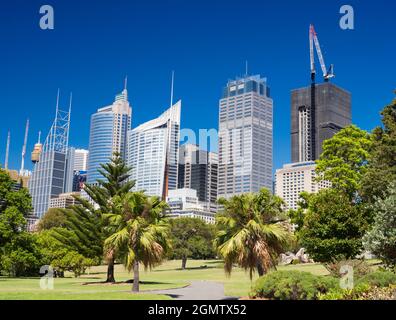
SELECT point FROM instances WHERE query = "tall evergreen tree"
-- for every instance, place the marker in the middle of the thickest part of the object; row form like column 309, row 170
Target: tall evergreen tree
column 115, row 182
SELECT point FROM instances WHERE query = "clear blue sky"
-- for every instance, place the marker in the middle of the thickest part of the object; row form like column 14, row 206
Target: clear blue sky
column 96, row 43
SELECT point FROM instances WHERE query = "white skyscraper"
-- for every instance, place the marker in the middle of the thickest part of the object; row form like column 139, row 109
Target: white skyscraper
column 295, row 178
column 80, row 160
column 108, row 134
column 153, row 150
column 245, row 137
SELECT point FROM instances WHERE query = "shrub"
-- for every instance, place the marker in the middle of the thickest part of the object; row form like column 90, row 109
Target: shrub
column 360, row 267
column 292, row 285
column 346, row 294
column 375, row 293
column 378, row 279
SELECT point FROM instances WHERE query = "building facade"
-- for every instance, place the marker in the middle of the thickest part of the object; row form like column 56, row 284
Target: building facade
column 108, row 134
column 311, row 126
column 185, row 203
column 80, row 160
column 153, row 153
column 64, row 200
column 245, row 137
column 198, row 169
column 295, row 178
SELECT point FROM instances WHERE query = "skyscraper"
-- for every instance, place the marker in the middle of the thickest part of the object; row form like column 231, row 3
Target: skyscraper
column 245, row 137
column 108, row 134
column 50, row 174
column 311, row 126
column 198, row 170
column 153, row 151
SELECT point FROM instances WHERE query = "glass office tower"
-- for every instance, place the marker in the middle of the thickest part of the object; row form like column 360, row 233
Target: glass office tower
column 245, row 137
column 52, row 174
column 108, row 134
column 153, row 151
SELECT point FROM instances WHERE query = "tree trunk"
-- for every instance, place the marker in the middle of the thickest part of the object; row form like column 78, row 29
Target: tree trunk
column 135, row 287
column 184, row 263
column 260, row 269
column 110, row 270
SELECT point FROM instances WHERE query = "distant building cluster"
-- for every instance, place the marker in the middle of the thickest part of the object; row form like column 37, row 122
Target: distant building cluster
column 189, row 178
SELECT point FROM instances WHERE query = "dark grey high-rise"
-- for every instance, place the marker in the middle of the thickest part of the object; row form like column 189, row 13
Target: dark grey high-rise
column 198, row 170
column 332, row 112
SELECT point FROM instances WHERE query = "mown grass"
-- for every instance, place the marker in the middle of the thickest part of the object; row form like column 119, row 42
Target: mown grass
column 168, row 275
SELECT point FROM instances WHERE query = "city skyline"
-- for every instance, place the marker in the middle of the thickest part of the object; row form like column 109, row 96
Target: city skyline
column 285, row 69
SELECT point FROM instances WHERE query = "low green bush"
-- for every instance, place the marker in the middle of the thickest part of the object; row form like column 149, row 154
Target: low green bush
column 292, row 285
column 346, row 294
column 379, row 279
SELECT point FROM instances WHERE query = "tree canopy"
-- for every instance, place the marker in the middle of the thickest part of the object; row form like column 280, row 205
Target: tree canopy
column 191, row 238
column 344, row 159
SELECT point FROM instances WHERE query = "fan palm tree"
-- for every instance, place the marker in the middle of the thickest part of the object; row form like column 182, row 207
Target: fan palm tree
column 139, row 232
column 251, row 233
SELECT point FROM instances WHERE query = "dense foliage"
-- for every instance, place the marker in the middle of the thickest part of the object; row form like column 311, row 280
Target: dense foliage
column 344, row 160
column 292, row 285
column 382, row 161
column 19, row 253
column 52, row 218
column 191, row 238
column 381, row 239
column 333, row 227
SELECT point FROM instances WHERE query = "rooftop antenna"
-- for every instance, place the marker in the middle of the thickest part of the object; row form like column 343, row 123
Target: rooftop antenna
column 246, row 67
column 69, row 115
column 70, row 101
column 172, row 84
column 21, row 172
column 126, row 83
column 57, row 101
column 7, row 150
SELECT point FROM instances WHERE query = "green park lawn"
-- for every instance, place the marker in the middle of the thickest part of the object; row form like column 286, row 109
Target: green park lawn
column 168, row 275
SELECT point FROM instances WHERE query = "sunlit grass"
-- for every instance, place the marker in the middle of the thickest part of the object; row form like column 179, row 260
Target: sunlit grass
column 168, row 275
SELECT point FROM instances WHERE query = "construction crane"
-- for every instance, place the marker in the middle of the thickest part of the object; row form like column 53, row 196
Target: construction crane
column 21, row 172
column 313, row 39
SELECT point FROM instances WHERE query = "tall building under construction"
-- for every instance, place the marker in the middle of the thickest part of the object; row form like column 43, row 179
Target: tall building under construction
column 318, row 111
column 332, row 112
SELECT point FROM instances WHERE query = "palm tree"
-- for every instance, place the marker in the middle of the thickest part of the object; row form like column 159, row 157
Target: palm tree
column 116, row 182
column 251, row 233
column 139, row 232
